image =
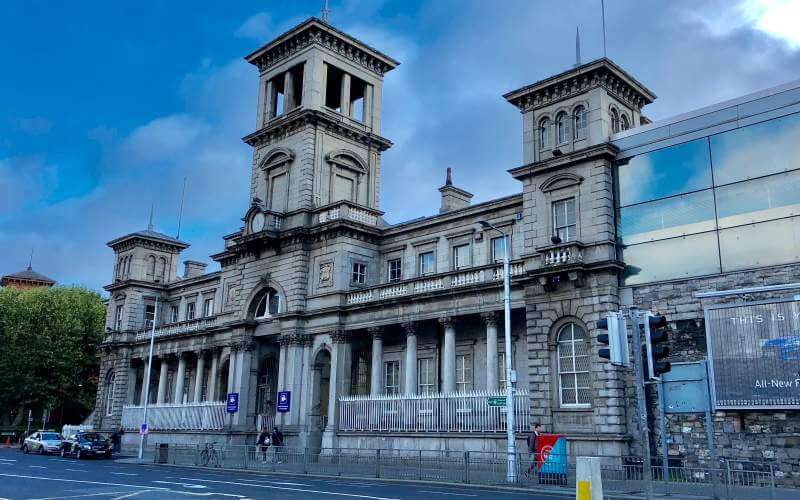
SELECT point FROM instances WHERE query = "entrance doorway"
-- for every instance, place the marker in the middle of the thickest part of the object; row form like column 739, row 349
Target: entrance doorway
column 319, row 410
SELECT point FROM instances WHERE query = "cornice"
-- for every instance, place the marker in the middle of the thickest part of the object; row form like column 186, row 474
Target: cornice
column 605, row 150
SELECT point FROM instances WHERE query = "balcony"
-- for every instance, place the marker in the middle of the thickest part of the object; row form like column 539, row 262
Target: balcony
column 345, row 210
column 209, row 416
column 427, row 284
column 194, row 325
column 565, row 254
column 457, row 412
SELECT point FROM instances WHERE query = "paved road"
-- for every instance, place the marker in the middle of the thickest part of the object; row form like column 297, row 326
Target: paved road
column 49, row 477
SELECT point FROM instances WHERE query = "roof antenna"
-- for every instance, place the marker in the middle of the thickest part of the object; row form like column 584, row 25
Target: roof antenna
column 603, row 7
column 180, row 210
column 150, row 224
column 325, row 12
column 30, row 261
column 577, row 47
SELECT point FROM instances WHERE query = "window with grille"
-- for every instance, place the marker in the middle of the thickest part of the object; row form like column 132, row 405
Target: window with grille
column 118, row 318
column 190, row 311
column 544, row 133
column 426, row 376
column 149, row 315
column 359, row 273
column 173, row 314
column 573, row 366
column 562, row 128
column 395, row 270
column 501, row 370
column 464, row 372
column 461, row 257
column 498, row 250
column 427, row 263
column 111, row 386
column 564, row 219
column 208, row 307
column 268, row 305
column 391, row 377
column 579, row 117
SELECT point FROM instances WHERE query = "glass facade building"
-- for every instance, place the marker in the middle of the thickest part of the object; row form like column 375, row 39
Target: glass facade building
column 722, row 197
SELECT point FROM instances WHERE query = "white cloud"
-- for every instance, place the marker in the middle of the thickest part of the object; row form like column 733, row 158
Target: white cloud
column 258, row 27
column 778, row 18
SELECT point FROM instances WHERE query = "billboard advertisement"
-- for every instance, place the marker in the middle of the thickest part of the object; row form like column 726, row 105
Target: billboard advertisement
column 754, row 351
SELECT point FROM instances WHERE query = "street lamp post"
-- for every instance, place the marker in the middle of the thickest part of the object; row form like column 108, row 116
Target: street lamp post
column 146, row 382
column 511, row 379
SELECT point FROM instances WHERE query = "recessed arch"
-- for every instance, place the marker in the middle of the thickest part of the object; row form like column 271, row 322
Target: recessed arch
column 277, row 157
column 348, row 159
column 559, row 181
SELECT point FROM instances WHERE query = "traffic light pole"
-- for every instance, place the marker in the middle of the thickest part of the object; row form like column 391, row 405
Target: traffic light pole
column 644, row 432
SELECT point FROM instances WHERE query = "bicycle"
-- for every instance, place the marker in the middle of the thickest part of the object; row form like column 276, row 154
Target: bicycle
column 209, row 456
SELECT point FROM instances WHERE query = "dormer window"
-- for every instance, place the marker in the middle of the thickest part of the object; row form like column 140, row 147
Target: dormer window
column 269, row 305
column 562, row 124
column 544, row 133
column 614, row 121
column 579, row 119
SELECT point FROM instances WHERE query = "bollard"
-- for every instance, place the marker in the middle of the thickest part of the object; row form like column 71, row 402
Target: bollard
column 466, row 467
column 378, row 463
column 588, row 483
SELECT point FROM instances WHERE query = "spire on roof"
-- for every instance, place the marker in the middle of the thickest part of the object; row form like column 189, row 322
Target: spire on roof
column 30, row 261
column 325, row 12
column 150, row 224
column 577, row 47
column 449, row 179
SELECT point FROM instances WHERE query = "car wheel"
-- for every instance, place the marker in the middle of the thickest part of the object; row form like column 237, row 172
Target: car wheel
column 25, row 449
column 42, row 451
column 63, row 453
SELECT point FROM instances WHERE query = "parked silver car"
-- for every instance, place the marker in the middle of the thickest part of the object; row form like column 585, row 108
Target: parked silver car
column 42, row 442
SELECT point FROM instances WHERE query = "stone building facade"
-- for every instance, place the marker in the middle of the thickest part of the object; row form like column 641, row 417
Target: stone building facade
column 390, row 336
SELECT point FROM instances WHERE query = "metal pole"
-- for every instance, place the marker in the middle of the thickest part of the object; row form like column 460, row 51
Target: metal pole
column 710, row 430
column 146, row 382
column 511, row 473
column 644, row 431
column 662, row 428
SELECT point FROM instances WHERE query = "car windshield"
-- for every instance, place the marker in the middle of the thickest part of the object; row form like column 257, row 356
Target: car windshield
column 50, row 436
column 92, row 438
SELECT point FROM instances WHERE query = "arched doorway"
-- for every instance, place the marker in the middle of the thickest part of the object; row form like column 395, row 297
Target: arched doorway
column 266, row 391
column 319, row 409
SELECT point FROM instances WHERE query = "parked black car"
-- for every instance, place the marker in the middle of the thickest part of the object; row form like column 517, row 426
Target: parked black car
column 86, row 444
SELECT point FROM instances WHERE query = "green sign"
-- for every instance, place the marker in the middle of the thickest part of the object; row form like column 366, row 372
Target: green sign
column 496, row 401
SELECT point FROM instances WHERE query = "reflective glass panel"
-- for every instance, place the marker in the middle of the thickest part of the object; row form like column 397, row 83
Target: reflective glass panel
column 759, row 200
column 765, row 244
column 761, row 149
column 676, row 216
column 665, row 172
column 681, row 257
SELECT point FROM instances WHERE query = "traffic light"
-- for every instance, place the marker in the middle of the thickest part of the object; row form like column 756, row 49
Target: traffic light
column 656, row 336
column 616, row 338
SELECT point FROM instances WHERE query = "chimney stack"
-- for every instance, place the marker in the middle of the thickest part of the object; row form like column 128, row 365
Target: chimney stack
column 193, row 268
column 453, row 198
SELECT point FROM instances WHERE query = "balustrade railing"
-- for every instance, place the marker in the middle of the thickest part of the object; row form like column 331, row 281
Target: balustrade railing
column 194, row 325
column 563, row 255
column 177, row 417
column 349, row 211
column 456, row 412
column 427, row 284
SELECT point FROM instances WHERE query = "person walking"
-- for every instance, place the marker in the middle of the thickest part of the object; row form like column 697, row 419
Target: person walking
column 277, row 442
column 116, row 440
column 537, row 429
column 263, row 443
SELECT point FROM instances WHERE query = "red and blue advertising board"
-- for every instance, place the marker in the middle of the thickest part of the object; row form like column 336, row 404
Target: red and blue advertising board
column 551, row 456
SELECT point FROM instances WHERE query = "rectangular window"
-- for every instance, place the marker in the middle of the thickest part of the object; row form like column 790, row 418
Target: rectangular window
column 391, row 377
column 667, row 218
column 395, row 269
column 498, row 250
column 208, row 307
column 426, row 373
column 564, row 225
column 681, row 257
column 118, row 318
column 190, row 311
column 359, row 273
column 333, row 87
column 464, row 372
column 427, row 263
column 173, row 314
column 501, row 370
column 149, row 315
column 461, row 257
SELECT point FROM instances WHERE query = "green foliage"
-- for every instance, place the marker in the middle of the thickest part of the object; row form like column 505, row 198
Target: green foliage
column 48, row 350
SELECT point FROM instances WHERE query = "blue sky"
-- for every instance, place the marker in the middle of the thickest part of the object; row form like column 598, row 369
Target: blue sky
column 108, row 106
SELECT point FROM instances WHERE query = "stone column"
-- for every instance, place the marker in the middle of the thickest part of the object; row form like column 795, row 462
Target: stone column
column 198, row 379
column 411, row 357
column 491, row 351
column 232, row 367
column 179, row 384
column 242, row 384
column 281, row 418
column 376, row 369
column 368, row 89
column 339, row 384
column 288, row 92
column 345, row 98
column 162, row 380
column 448, row 355
column 212, row 375
column 269, row 101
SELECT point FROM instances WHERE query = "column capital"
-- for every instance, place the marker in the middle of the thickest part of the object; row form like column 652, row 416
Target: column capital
column 410, row 327
column 490, row 318
column 294, row 338
column 236, row 346
column 340, row 336
column 375, row 331
column 447, row 321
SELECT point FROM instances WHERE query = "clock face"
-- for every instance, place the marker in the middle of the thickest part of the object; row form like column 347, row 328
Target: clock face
column 257, row 223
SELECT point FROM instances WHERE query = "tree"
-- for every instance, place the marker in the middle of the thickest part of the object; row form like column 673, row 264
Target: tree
column 48, row 352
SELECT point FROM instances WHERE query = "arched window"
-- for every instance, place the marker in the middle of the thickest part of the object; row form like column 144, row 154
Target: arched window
column 269, row 304
column 151, row 267
column 579, row 122
column 573, row 366
column 544, row 133
column 111, row 383
column 624, row 123
column 562, row 124
column 614, row 121
column 162, row 269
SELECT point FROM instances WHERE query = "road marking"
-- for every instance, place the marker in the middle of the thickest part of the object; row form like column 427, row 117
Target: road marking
column 353, row 495
column 447, row 493
column 77, row 470
column 85, row 481
column 285, row 483
column 38, row 466
column 84, row 495
column 125, row 473
column 185, row 485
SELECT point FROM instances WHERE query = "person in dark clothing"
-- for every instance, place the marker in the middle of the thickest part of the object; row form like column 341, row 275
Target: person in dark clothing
column 116, row 440
column 277, row 442
column 537, row 429
column 263, row 443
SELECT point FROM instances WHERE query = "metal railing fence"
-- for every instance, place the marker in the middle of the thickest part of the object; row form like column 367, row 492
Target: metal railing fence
column 621, row 475
column 190, row 416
